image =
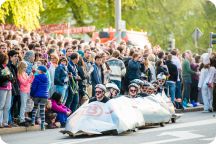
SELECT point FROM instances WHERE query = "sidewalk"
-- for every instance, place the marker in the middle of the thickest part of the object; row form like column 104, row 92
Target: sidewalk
column 13, row 130
column 190, row 109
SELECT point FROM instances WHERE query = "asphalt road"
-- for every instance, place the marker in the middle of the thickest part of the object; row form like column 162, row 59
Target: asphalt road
column 192, row 128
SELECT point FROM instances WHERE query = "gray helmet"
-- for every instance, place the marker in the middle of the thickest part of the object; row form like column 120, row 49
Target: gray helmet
column 138, row 82
column 151, row 86
column 133, row 85
column 143, row 76
column 146, row 83
column 101, row 86
column 112, row 85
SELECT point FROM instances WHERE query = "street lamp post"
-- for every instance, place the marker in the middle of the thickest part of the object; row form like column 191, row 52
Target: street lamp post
column 118, row 19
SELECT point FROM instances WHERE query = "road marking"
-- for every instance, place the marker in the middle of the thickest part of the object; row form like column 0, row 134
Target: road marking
column 180, row 125
column 180, row 135
column 207, row 139
column 75, row 141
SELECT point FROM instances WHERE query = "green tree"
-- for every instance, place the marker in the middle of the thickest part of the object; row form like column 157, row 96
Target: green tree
column 22, row 13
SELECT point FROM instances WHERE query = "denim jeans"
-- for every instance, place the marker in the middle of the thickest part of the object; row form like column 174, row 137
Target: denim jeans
column 24, row 97
column 62, row 90
column 171, row 88
column 178, row 93
column 72, row 101
column 118, row 83
column 5, row 104
column 61, row 117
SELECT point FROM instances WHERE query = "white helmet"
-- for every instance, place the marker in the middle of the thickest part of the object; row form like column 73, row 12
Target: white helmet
column 112, row 85
column 101, row 86
column 161, row 76
column 134, row 85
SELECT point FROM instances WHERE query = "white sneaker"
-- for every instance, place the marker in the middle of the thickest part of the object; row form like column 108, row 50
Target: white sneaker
column 189, row 105
column 199, row 104
column 205, row 111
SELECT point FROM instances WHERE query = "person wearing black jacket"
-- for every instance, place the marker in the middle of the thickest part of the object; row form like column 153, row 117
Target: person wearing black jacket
column 12, row 65
column 83, row 82
column 173, row 76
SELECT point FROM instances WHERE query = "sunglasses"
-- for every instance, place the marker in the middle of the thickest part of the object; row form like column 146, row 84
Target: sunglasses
column 99, row 92
column 144, row 87
column 133, row 90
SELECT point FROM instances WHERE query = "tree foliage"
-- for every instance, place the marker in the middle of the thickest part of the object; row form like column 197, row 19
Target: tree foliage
column 159, row 18
column 22, row 13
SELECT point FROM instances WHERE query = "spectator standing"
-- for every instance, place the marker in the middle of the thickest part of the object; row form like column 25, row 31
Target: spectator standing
column 176, row 61
column 25, row 84
column 12, row 65
column 29, row 59
column 97, row 76
column 61, row 78
column 133, row 70
column 206, row 83
column 40, row 92
column 6, row 79
column 186, row 76
column 173, row 76
column 117, row 67
column 195, row 79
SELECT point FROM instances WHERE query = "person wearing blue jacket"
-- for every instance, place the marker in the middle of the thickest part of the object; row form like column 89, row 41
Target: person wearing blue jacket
column 133, row 68
column 97, row 75
column 61, row 78
column 40, row 92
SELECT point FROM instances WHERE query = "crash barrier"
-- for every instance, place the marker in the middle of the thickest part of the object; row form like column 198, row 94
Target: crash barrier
column 119, row 115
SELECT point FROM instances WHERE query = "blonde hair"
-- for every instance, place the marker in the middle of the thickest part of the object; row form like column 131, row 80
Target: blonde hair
column 21, row 67
column 55, row 55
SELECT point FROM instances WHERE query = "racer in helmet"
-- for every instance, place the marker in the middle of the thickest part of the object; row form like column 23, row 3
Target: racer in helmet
column 143, row 89
column 113, row 90
column 156, row 85
column 150, row 89
column 100, row 91
column 133, row 90
column 161, row 78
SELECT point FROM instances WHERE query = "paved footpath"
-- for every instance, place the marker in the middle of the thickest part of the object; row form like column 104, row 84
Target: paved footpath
column 192, row 128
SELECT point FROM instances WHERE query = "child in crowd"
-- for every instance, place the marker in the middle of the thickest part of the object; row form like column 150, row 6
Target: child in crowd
column 50, row 116
column 40, row 92
column 25, row 81
column 62, row 111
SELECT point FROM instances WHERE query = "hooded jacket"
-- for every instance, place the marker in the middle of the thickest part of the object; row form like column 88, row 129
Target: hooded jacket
column 40, row 86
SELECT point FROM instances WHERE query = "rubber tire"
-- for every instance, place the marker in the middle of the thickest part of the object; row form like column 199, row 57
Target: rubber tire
column 162, row 124
column 173, row 120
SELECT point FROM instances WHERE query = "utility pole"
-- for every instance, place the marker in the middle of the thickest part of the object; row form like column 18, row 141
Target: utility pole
column 118, row 19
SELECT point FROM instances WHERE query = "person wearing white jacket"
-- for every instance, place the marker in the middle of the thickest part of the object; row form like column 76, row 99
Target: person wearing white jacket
column 206, row 84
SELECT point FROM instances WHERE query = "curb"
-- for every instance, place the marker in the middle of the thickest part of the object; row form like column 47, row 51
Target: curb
column 4, row 131
column 191, row 109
